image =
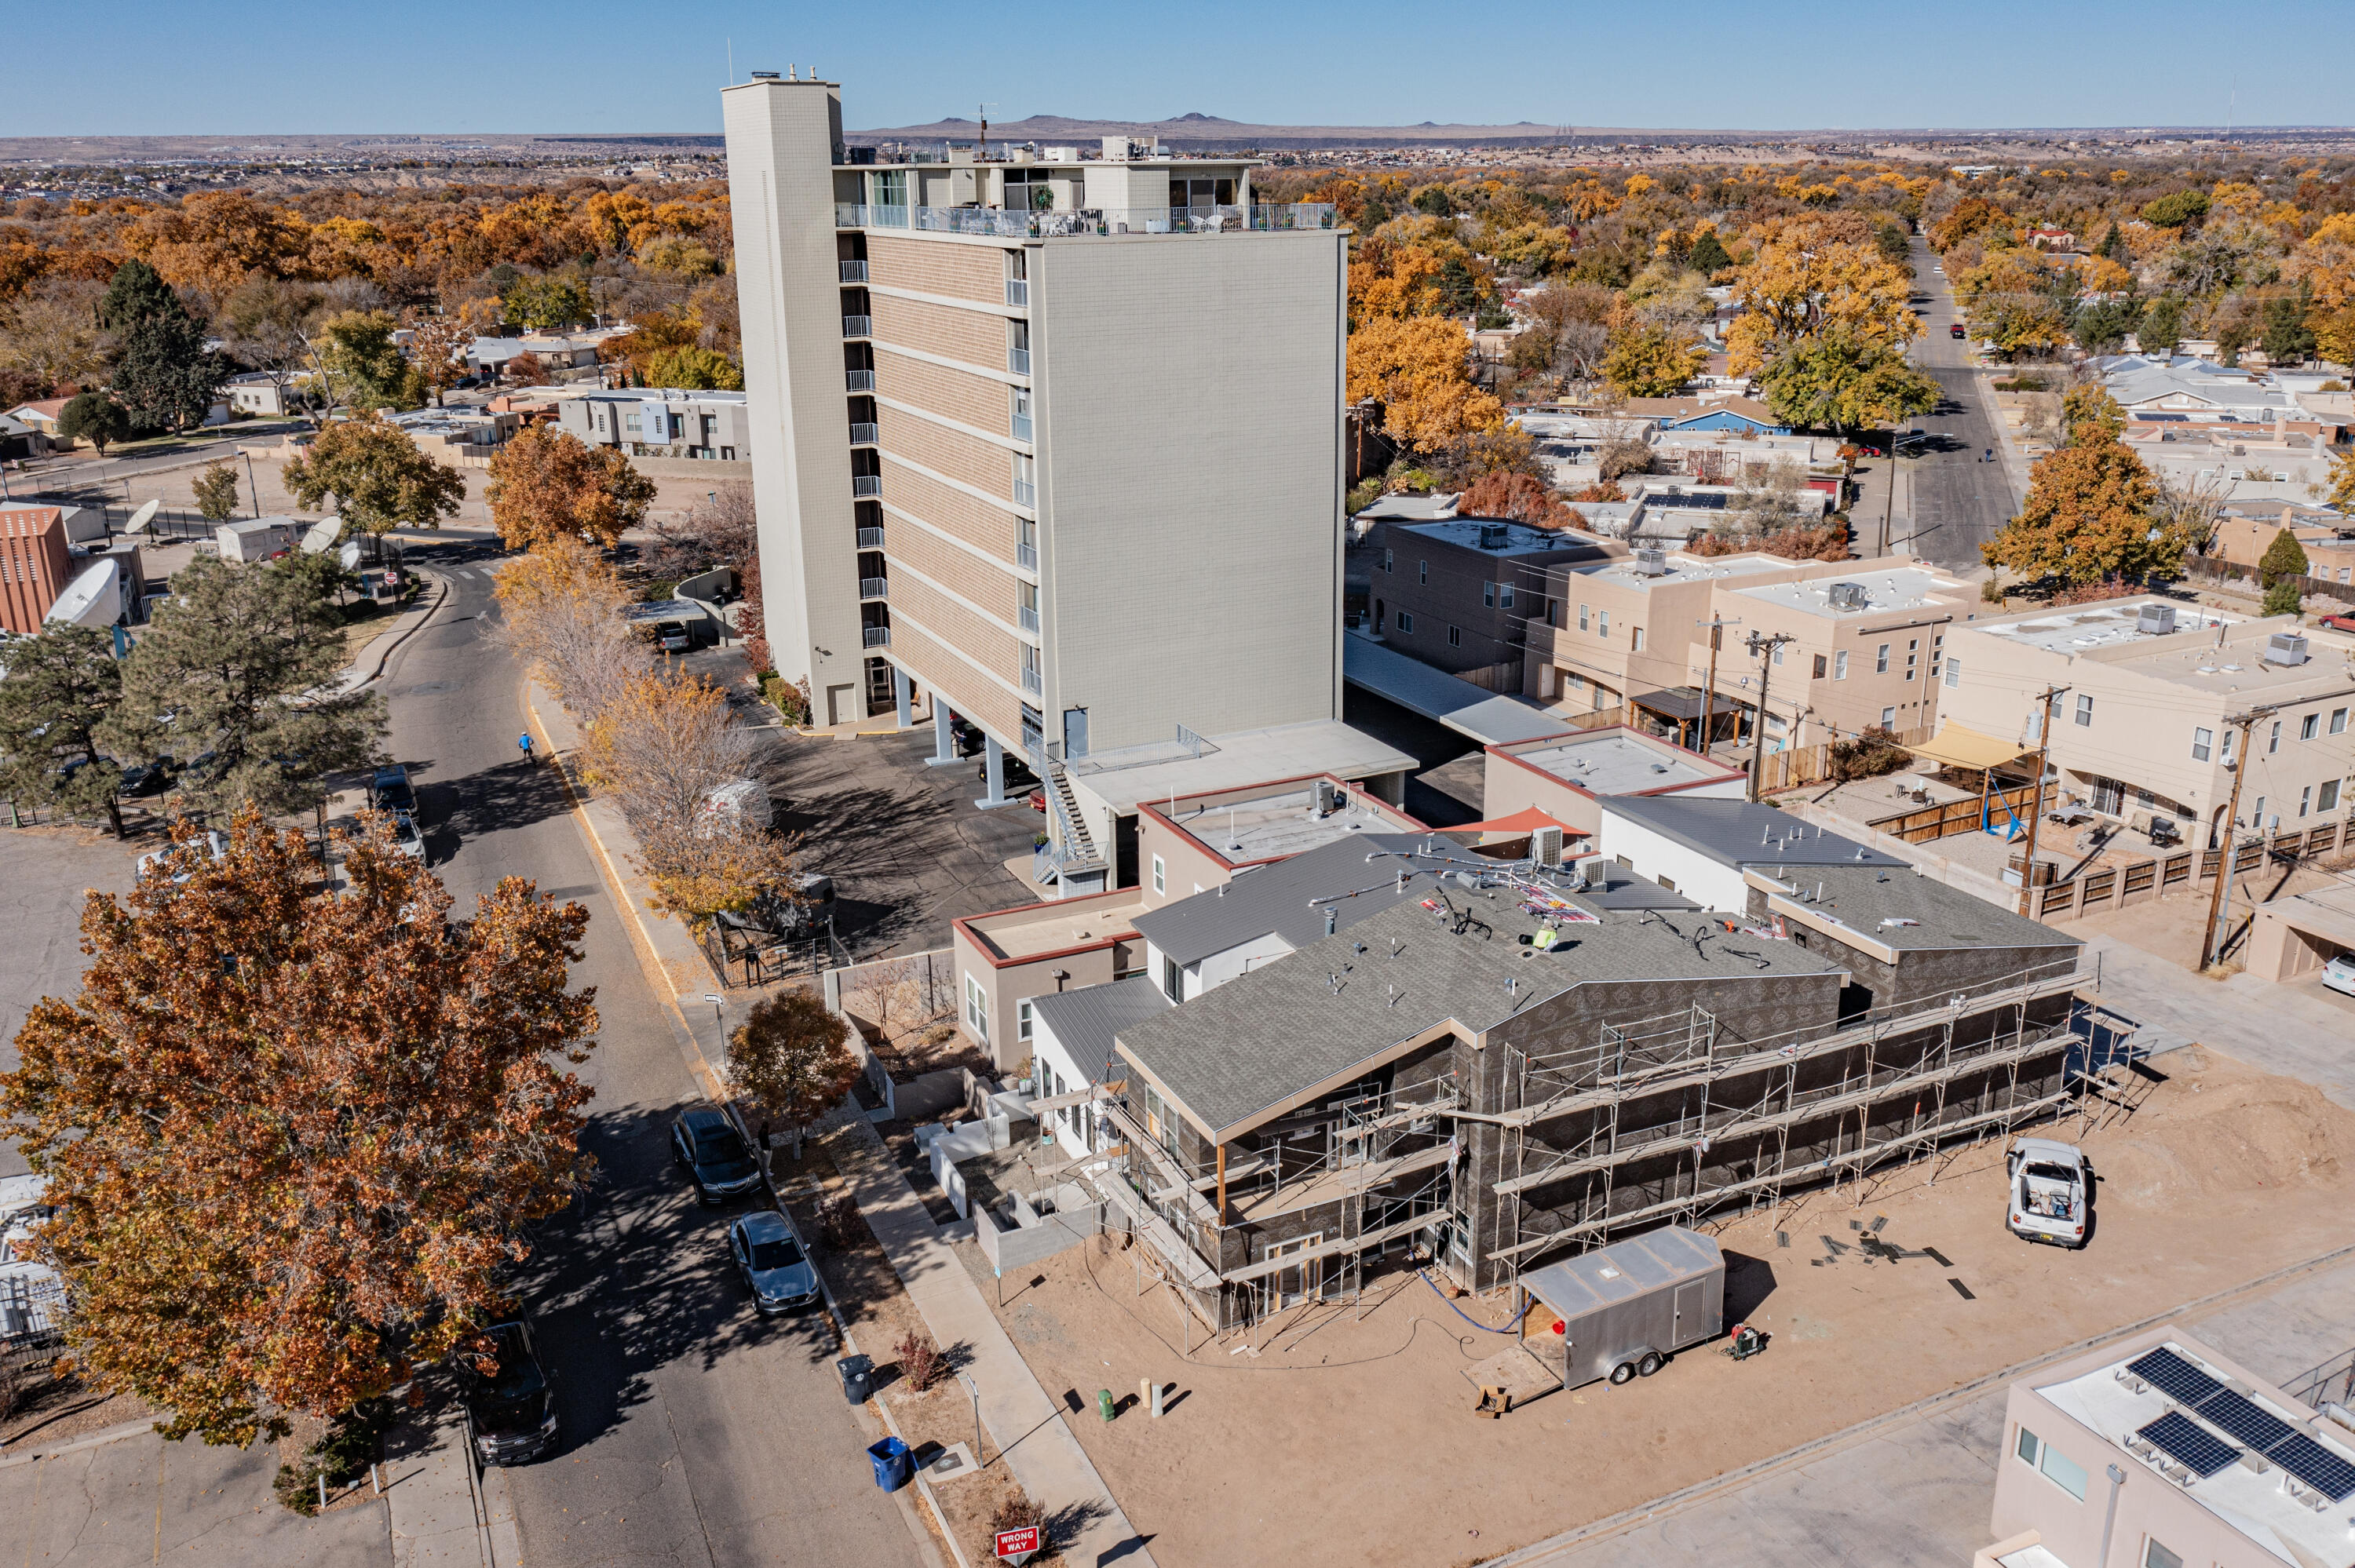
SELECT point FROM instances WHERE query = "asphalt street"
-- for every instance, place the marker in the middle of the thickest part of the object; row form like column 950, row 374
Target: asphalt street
column 694, row 1432
column 1959, row 502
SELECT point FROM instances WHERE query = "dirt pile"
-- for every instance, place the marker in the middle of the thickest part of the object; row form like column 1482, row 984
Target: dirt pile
column 2218, row 1128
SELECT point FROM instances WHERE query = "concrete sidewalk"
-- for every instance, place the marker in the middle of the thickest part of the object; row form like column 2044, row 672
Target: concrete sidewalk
column 430, row 1490
column 2268, row 1026
column 1025, row 1424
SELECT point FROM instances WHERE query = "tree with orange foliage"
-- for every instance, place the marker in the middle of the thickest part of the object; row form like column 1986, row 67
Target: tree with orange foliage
column 295, row 1139
column 1519, row 497
column 2092, row 512
column 546, row 484
column 1417, row 367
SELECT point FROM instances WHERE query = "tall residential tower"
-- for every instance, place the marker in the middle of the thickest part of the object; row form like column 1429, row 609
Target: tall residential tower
column 1050, row 441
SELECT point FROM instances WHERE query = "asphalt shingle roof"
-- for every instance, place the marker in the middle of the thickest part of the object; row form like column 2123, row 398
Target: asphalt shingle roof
column 1276, row 898
column 1862, row 896
column 1260, row 1040
column 1743, row 833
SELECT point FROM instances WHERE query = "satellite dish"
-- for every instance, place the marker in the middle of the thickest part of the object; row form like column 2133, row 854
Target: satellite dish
column 322, row 535
column 141, row 518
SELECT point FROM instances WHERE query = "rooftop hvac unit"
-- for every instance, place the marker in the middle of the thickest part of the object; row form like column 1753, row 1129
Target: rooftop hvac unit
column 2156, row 620
column 2285, row 648
column 1848, row 596
column 1545, row 845
column 1323, row 801
column 1652, row 562
column 1494, row 535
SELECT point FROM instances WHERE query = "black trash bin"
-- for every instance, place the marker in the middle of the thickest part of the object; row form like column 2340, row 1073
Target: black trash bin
column 894, row 1465
column 857, row 1378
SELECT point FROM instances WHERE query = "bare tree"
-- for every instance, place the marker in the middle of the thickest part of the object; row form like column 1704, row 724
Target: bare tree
column 718, row 531
column 883, row 991
column 2192, row 507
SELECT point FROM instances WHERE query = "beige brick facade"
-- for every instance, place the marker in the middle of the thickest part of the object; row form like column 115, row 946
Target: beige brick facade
column 951, row 510
column 993, row 647
column 975, row 272
column 975, row 401
column 952, row 453
column 936, row 669
column 990, row 586
column 940, row 329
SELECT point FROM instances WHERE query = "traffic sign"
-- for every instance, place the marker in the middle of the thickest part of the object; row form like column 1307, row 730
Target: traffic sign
column 1017, row 1545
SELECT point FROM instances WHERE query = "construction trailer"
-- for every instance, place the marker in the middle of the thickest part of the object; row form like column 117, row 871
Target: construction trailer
column 1621, row 1310
column 1430, row 1087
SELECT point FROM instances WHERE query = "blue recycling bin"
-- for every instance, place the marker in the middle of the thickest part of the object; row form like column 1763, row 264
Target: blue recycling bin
column 894, row 1467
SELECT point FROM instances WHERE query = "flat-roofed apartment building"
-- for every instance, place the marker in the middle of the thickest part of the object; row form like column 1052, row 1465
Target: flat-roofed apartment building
column 1052, row 444
column 2146, row 724
column 1864, row 642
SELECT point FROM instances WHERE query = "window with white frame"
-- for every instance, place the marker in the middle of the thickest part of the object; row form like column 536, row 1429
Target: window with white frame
column 1505, row 595
column 1889, row 718
column 1422, row 571
column 2273, row 741
column 2203, row 742
column 2309, row 726
column 1603, row 624
column 2305, row 800
column 2084, row 711
column 1456, row 637
column 1582, row 617
column 1173, row 979
column 1840, row 666
column 1386, row 560
column 2339, row 721
column 2328, row 800
column 1160, row 876
column 977, row 1009
column 1954, row 671
column 1022, row 1019
column 1881, row 660
column 2052, row 1464
column 1489, row 595
column 2154, row 1555
column 1406, row 622
column 1779, row 655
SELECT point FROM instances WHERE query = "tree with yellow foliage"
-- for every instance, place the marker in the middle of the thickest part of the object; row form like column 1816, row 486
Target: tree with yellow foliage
column 1650, row 360
column 1417, row 367
column 1801, row 281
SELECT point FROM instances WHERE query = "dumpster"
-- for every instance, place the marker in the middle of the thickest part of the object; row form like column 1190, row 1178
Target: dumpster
column 894, row 1467
column 858, row 1374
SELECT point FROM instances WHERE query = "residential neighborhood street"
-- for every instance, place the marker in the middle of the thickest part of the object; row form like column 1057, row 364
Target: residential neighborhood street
column 1950, row 502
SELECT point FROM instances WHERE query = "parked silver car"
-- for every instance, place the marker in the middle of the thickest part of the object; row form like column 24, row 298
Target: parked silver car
column 775, row 1265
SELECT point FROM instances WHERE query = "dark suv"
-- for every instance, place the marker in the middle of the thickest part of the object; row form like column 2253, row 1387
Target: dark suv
column 714, row 1153
column 510, row 1398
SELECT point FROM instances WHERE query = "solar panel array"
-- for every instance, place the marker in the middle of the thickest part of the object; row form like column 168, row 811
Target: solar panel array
column 2193, row 1447
column 2204, row 1454
column 2173, row 1376
column 2316, row 1465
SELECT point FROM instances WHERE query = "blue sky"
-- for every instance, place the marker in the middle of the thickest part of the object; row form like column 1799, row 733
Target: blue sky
column 153, row 68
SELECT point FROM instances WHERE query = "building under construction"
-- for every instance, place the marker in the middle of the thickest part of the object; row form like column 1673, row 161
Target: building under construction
column 1500, row 1067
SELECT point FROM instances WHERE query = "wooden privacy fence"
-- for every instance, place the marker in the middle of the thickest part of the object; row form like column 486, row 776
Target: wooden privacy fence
column 1790, row 768
column 2113, row 886
column 1933, row 822
column 2208, row 568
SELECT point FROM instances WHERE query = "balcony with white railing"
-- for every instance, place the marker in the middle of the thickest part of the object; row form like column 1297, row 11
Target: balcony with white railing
column 1026, row 494
column 860, row 380
column 1017, row 360
column 878, row 637
column 1018, row 293
column 998, row 224
column 866, row 485
column 865, row 435
column 875, row 588
column 871, row 538
column 859, row 326
column 853, row 271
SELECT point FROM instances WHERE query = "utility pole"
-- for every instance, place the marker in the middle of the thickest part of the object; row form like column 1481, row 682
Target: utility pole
column 1717, row 625
column 1764, row 648
column 2036, row 800
column 2239, row 765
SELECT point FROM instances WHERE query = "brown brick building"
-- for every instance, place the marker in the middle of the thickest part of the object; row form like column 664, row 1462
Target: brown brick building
column 33, row 564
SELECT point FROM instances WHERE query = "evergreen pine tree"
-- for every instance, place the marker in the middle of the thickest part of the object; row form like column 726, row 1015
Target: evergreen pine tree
column 62, row 686
column 163, row 373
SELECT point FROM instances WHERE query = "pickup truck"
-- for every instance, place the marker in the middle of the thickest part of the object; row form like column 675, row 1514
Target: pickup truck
column 2051, row 1191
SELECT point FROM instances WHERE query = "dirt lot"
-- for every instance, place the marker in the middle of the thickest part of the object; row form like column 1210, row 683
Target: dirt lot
column 2171, row 928
column 1345, row 1441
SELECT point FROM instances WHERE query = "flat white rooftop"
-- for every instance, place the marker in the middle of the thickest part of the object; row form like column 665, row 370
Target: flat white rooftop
column 1907, row 587
column 2101, row 625
column 1520, row 538
column 1684, row 569
column 1123, row 780
column 1613, row 763
column 1277, row 824
column 2252, row 1499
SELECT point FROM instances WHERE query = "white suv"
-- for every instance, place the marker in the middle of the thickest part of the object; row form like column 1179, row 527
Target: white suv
column 2051, row 1191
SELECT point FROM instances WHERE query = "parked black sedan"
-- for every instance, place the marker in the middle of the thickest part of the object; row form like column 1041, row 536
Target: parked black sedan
column 509, row 1399
column 714, row 1153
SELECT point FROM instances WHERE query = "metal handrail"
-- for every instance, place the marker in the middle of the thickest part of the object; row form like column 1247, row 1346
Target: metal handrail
column 875, row 588
column 865, row 434
column 859, row 380
column 859, row 326
column 871, row 538
column 878, row 636
column 866, row 485
column 853, row 271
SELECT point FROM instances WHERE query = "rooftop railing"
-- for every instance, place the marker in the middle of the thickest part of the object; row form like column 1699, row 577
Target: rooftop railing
column 1001, row 224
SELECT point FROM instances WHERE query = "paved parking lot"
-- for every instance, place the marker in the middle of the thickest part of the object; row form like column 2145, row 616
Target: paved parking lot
column 49, row 870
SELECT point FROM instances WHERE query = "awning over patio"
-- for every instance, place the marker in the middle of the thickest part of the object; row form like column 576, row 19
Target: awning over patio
column 1958, row 746
column 1682, row 704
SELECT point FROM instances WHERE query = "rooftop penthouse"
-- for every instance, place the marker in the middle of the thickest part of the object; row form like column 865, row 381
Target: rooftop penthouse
column 1232, row 828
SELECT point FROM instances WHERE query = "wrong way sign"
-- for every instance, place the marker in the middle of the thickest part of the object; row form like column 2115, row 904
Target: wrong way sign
column 1017, row 1545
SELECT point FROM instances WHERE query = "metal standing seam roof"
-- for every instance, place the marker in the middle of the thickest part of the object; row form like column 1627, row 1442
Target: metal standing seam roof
column 1275, row 898
column 1424, row 689
column 1085, row 1022
column 1622, row 1271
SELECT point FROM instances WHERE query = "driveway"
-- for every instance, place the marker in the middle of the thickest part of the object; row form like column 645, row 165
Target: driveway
column 1957, row 502
column 50, row 871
